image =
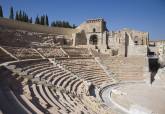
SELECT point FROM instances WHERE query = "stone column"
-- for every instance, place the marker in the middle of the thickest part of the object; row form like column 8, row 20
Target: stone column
column 74, row 39
column 88, row 37
column 104, row 40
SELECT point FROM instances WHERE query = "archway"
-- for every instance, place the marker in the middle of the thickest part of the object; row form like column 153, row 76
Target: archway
column 93, row 40
column 92, row 90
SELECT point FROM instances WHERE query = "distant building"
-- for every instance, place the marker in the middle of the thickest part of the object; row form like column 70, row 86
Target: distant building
column 159, row 45
column 125, row 42
column 162, row 49
column 92, row 33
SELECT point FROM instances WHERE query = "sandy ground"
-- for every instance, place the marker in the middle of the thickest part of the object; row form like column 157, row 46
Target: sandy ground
column 141, row 95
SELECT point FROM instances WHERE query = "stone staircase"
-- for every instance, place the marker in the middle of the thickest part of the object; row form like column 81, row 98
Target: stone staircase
column 127, row 69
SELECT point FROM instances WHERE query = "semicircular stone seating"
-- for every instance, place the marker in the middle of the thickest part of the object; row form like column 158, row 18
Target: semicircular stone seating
column 41, row 87
column 87, row 69
column 22, row 52
column 51, row 52
column 31, row 84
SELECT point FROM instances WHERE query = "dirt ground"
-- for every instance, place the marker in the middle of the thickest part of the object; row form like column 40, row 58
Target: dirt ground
column 144, row 97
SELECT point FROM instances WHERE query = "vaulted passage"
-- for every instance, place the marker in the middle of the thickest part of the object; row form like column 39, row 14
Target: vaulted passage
column 93, row 40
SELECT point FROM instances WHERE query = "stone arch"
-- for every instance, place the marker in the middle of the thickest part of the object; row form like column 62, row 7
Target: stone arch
column 136, row 40
column 92, row 90
column 94, row 29
column 93, row 39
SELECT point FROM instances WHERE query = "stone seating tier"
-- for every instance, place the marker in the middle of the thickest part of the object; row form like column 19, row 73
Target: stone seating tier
column 28, row 97
column 22, row 53
column 87, row 69
column 51, row 52
column 126, row 68
column 5, row 57
column 77, row 52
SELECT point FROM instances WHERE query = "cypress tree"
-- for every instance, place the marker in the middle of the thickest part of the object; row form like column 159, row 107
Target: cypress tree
column 43, row 23
column 23, row 16
column 47, row 20
column 11, row 13
column 27, row 18
column 20, row 15
column 16, row 16
column 67, row 25
column 74, row 26
column 57, row 23
column 53, row 24
column 42, row 20
column 1, row 11
column 60, row 23
column 37, row 21
column 63, row 24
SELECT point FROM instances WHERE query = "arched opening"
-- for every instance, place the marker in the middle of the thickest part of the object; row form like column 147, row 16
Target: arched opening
column 93, row 40
column 92, row 90
column 94, row 30
column 136, row 40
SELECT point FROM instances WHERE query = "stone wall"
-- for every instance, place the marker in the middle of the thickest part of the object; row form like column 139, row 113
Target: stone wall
column 137, row 50
column 92, row 25
column 162, row 60
column 80, row 38
column 160, row 74
column 137, row 37
column 36, row 28
column 128, row 42
column 132, row 50
column 160, row 78
column 122, row 40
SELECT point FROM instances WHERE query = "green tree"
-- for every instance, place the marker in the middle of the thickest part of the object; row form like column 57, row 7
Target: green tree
column 63, row 24
column 20, row 16
column 17, row 16
column 42, row 20
column 60, row 24
column 46, row 21
column 74, row 26
column 11, row 13
column 37, row 21
column 26, row 18
column 56, row 23
column 68, row 25
column 23, row 16
column 1, row 11
column 53, row 24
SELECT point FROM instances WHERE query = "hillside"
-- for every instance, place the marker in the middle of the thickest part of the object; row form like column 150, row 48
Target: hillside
column 7, row 23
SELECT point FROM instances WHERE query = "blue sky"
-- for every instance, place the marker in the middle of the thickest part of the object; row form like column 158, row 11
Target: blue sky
column 143, row 15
